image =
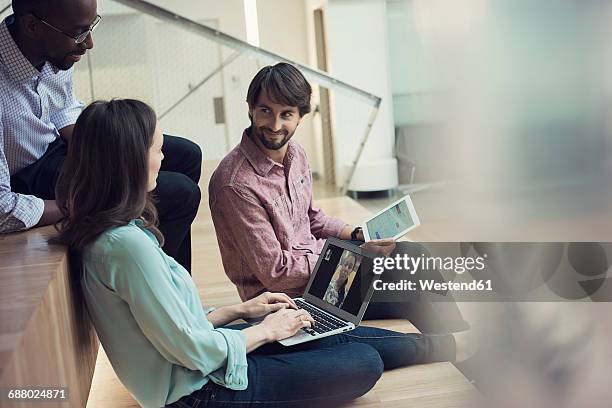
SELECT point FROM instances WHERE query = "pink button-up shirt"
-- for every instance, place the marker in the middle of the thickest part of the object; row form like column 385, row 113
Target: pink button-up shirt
column 269, row 233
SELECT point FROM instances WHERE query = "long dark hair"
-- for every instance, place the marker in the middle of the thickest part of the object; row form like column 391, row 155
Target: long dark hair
column 104, row 180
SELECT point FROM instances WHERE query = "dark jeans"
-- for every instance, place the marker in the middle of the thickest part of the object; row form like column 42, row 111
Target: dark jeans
column 177, row 192
column 178, row 196
column 325, row 372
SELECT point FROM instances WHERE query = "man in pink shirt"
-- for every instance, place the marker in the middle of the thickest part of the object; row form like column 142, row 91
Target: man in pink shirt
column 269, row 232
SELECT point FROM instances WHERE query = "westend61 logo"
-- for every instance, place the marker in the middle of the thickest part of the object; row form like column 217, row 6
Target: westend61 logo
column 498, row 271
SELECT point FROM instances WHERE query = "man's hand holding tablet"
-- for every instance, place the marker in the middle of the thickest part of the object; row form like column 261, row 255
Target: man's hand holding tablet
column 392, row 222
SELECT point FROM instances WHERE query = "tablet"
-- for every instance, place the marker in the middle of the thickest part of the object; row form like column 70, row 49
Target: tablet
column 392, row 222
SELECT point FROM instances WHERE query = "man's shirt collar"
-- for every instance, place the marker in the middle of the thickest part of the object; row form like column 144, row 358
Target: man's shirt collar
column 15, row 63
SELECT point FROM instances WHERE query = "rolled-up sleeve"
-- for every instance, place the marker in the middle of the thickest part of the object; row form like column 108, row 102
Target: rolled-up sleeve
column 140, row 276
column 73, row 107
column 17, row 211
column 233, row 372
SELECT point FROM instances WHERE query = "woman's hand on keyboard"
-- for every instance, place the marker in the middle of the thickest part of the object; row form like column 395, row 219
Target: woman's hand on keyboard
column 285, row 323
column 264, row 304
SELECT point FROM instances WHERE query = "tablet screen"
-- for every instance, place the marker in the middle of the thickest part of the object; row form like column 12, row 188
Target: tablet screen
column 391, row 222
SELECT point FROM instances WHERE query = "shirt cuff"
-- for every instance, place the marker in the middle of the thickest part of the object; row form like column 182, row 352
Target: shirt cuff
column 29, row 210
column 26, row 214
column 235, row 374
column 333, row 227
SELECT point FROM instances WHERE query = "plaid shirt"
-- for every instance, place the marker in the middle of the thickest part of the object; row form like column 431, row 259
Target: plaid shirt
column 34, row 105
column 269, row 232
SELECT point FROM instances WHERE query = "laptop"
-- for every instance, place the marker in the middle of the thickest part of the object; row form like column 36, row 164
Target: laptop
column 338, row 292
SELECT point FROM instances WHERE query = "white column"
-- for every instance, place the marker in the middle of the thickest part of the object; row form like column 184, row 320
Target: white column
column 358, row 53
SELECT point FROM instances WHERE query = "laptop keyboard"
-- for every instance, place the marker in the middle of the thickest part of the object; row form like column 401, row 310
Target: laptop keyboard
column 323, row 322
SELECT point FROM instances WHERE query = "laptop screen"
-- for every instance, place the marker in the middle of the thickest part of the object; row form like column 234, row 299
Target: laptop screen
column 340, row 277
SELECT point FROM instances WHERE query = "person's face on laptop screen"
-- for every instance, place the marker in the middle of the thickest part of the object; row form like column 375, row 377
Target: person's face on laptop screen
column 338, row 280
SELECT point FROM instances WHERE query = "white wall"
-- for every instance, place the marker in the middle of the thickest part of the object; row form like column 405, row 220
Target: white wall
column 413, row 86
column 358, row 49
column 282, row 28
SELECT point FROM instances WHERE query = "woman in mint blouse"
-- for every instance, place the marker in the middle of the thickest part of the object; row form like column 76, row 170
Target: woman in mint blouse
column 164, row 346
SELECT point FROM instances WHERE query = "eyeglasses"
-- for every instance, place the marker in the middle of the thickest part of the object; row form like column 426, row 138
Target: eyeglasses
column 79, row 39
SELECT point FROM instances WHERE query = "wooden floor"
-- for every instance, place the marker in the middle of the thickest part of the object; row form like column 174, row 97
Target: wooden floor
column 433, row 385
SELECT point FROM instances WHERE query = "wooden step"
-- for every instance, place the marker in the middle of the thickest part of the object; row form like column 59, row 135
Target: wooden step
column 44, row 342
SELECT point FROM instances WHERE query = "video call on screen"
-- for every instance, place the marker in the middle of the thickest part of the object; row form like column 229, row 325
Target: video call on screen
column 349, row 295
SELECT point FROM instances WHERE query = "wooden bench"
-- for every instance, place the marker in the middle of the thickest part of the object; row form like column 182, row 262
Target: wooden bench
column 44, row 342
column 431, row 385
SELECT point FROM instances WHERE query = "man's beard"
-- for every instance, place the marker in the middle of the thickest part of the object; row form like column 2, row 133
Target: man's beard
column 259, row 133
column 63, row 64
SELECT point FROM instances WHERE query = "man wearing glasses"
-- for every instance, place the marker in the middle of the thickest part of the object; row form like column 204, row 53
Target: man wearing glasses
column 39, row 44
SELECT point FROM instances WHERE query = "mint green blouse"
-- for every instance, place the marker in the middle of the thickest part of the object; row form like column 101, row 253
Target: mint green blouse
column 150, row 320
